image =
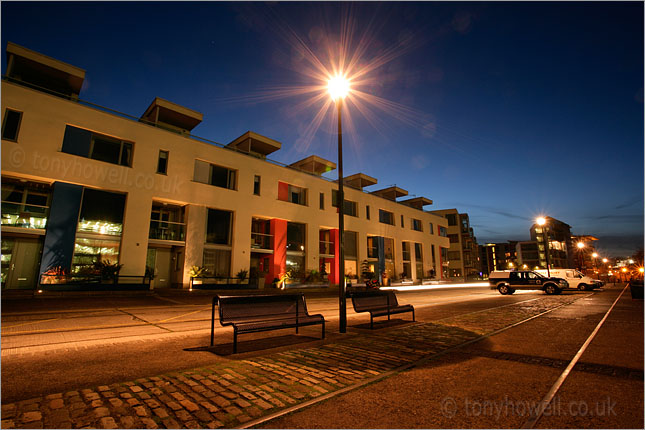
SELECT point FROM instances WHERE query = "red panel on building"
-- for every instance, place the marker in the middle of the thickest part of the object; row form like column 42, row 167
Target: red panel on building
column 278, row 261
column 283, row 193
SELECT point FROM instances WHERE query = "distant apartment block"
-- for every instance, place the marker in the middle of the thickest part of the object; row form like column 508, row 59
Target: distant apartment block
column 463, row 254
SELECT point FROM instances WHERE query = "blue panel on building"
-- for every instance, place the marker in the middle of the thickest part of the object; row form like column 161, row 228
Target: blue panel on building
column 60, row 236
column 381, row 257
column 77, row 141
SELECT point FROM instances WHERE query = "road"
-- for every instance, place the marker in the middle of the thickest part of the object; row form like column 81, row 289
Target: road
column 57, row 345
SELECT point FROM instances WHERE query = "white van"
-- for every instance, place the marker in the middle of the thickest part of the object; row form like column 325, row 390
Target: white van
column 576, row 280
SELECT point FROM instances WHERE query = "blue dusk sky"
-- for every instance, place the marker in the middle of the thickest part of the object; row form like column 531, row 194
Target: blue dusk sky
column 505, row 111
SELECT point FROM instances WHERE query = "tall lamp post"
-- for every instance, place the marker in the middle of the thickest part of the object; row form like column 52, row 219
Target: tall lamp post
column 580, row 246
column 338, row 89
column 542, row 222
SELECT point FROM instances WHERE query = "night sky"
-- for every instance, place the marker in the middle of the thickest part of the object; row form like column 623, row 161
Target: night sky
column 505, row 111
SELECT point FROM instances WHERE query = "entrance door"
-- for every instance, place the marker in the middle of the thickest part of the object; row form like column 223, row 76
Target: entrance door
column 163, row 268
column 20, row 269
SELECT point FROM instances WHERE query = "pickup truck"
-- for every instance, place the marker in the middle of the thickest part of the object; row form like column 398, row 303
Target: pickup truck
column 506, row 282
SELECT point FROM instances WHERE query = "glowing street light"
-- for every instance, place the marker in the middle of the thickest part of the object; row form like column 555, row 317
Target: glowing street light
column 541, row 221
column 338, row 87
column 580, row 246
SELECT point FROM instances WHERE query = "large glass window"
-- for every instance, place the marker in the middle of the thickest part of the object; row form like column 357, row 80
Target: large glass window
column 452, row 219
column 349, row 208
column 385, row 217
column 261, row 237
column 372, row 247
column 292, row 193
column 85, row 143
column 167, row 222
column 405, row 257
column 88, row 251
column 25, row 204
column 443, row 231
column 418, row 259
column 296, row 236
column 11, row 124
column 217, row 262
column 101, row 212
column 218, row 228
column 162, row 162
column 212, row 174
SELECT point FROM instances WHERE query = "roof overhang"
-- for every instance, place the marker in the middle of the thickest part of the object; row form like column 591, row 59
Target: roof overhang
column 417, row 202
column 359, row 180
column 26, row 59
column 161, row 110
column 255, row 143
column 391, row 193
column 314, row 164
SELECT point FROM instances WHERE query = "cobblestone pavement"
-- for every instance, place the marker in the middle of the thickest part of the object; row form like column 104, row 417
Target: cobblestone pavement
column 235, row 393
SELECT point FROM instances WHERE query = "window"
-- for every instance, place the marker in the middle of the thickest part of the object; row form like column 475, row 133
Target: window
column 454, row 238
column 256, row 185
column 452, row 219
column 349, row 208
column 215, row 175
column 85, row 143
column 25, row 204
column 166, row 222
column 405, row 256
column 162, row 162
column 454, row 255
column 418, row 257
column 296, row 233
column 385, row 217
column 416, row 225
column 443, row 231
column 217, row 261
column 431, row 231
column 101, row 212
column 402, row 223
column 322, row 201
column 11, row 124
column 218, row 227
column 292, row 193
column 372, row 247
column 367, row 211
column 350, row 244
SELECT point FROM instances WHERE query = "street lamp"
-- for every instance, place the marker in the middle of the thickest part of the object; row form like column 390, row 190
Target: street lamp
column 580, row 246
column 542, row 222
column 338, row 87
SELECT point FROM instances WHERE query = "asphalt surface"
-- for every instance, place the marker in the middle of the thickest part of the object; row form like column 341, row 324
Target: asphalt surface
column 489, row 383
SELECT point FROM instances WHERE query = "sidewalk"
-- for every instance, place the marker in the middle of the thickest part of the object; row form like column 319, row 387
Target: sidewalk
column 238, row 391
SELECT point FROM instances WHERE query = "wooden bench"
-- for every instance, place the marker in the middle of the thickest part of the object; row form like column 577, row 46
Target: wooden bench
column 378, row 304
column 254, row 313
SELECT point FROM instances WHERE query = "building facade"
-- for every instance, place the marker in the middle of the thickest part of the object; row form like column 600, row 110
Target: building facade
column 558, row 235
column 498, row 256
column 82, row 183
column 463, row 255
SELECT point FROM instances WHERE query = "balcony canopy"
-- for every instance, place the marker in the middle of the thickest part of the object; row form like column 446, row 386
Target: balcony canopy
column 314, row 164
column 391, row 193
column 417, row 202
column 359, row 180
column 42, row 71
column 162, row 112
column 254, row 143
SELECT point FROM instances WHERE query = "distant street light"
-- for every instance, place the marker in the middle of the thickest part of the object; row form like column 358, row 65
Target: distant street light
column 543, row 223
column 338, row 89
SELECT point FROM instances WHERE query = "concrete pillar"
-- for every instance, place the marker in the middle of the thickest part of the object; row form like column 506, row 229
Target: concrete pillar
column 136, row 228
column 195, row 237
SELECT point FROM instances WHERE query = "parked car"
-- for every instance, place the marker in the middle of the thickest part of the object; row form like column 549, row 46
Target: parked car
column 576, row 279
column 506, row 282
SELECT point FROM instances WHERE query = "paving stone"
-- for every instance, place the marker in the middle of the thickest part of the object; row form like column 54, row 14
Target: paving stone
column 209, row 407
column 91, row 396
column 262, row 404
column 203, row 416
column 96, row 403
column 233, row 411
column 101, row 412
column 9, row 411
column 9, row 423
column 103, row 388
column 243, row 418
column 190, row 406
column 59, row 417
column 161, row 413
column 221, row 402
column 127, row 422
column 170, row 423
column 143, row 396
column 152, row 403
column 125, row 395
column 178, row 396
column 71, row 394
column 183, row 415
column 284, row 398
column 173, row 405
column 116, row 402
column 149, row 423
column 136, row 389
column 215, row 424
column 229, row 395
column 192, row 424
column 29, row 417
column 140, row 411
column 133, row 402
column 108, row 423
column 54, row 396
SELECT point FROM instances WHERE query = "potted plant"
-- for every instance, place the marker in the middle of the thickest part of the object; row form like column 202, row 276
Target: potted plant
column 109, row 271
column 150, row 274
column 242, row 275
column 197, row 272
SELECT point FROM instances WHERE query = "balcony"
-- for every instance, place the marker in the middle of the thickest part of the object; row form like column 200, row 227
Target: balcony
column 261, row 241
column 167, row 230
column 24, row 215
